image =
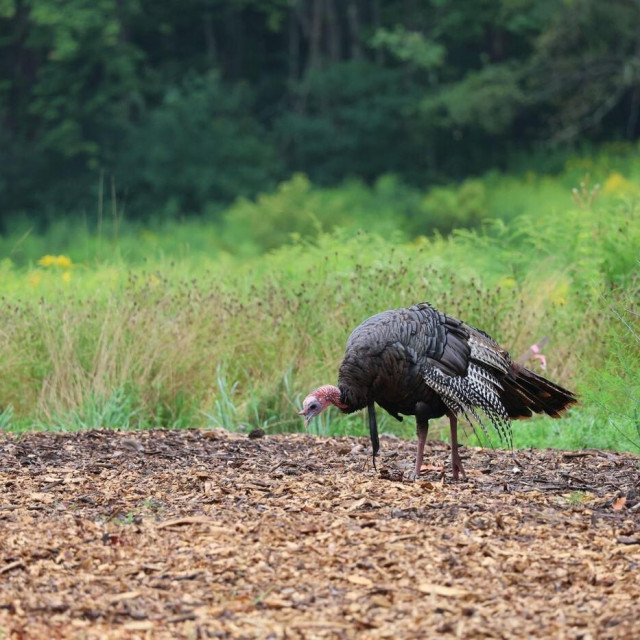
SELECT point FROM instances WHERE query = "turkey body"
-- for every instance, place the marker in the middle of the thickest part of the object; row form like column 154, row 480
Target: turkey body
column 387, row 355
column 419, row 361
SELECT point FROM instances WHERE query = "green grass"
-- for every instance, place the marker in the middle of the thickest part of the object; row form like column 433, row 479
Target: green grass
column 185, row 325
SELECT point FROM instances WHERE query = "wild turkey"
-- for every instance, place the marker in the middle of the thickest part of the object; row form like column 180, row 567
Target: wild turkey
column 418, row 361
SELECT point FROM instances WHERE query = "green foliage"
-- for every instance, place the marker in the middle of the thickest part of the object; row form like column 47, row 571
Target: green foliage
column 409, row 46
column 576, row 498
column 206, row 340
column 614, row 387
column 270, row 220
column 6, row 418
column 217, row 151
column 190, row 105
column 489, row 99
column 115, row 411
column 358, row 120
column 447, row 208
column 584, row 61
column 230, row 324
column 297, row 210
column 81, row 43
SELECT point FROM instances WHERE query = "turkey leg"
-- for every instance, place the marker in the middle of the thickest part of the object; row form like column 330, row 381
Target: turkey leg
column 373, row 432
column 422, row 429
column 456, row 463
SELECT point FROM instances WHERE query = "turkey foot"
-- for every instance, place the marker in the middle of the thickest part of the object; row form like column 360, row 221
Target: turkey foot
column 456, row 464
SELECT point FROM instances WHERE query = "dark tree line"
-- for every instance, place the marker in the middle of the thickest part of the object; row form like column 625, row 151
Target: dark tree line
column 180, row 106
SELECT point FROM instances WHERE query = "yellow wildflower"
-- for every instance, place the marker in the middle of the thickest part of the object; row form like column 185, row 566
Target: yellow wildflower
column 617, row 184
column 47, row 261
column 63, row 261
column 66, row 276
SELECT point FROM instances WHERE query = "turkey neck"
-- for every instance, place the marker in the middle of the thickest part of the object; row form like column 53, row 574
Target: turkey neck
column 332, row 394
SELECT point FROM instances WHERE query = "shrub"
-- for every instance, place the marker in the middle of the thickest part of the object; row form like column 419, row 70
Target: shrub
column 200, row 146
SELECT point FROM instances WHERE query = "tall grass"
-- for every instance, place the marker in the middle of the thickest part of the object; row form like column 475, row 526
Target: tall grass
column 195, row 337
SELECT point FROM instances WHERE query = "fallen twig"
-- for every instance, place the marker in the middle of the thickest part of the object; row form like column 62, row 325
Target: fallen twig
column 18, row 564
column 186, row 520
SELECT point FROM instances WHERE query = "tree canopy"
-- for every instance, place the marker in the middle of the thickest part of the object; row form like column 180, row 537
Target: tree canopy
column 182, row 106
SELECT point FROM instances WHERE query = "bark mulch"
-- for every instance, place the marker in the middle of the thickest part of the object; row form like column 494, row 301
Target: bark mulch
column 206, row 534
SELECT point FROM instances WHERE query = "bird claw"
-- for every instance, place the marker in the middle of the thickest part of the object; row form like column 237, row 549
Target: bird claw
column 458, row 472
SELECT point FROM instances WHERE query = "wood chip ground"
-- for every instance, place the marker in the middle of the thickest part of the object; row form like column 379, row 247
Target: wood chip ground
column 206, row 534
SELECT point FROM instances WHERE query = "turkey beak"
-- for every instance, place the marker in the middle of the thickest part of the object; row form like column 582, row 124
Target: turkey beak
column 307, row 417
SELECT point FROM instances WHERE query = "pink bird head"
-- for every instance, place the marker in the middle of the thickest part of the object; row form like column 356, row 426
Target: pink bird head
column 317, row 401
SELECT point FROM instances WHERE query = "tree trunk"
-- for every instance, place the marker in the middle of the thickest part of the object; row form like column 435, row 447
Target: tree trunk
column 233, row 20
column 210, row 38
column 354, row 28
column 315, row 38
column 333, row 31
column 377, row 21
column 294, row 47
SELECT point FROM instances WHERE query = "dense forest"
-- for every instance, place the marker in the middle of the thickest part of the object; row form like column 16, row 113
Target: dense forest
column 180, row 107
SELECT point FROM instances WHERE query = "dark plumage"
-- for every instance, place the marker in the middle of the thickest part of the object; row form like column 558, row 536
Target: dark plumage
column 418, row 361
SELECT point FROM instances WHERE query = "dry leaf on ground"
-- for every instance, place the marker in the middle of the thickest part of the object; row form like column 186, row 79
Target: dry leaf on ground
column 214, row 535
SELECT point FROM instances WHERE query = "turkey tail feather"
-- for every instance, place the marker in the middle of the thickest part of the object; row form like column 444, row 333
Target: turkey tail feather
column 525, row 392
